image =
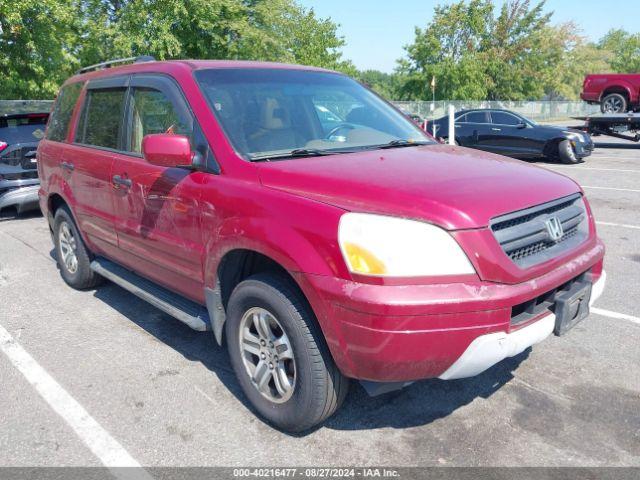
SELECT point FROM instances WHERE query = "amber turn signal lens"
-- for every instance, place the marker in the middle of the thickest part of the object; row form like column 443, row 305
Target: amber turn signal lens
column 363, row 261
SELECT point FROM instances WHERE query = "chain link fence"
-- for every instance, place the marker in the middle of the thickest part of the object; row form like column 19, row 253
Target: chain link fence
column 547, row 111
column 538, row 111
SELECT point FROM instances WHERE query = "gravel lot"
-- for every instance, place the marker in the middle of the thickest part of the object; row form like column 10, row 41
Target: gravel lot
column 166, row 395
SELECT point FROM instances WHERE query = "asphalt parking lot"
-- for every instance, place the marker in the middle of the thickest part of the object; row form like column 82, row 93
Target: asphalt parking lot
column 153, row 392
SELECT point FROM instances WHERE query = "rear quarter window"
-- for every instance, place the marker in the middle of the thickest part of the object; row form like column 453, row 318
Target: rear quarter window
column 61, row 114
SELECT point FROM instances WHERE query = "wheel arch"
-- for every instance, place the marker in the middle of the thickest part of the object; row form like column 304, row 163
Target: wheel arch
column 551, row 146
column 620, row 88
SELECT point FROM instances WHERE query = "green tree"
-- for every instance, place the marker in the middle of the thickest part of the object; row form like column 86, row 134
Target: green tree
column 478, row 52
column 385, row 84
column 38, row 53
column 35, row 52
column 623, row 49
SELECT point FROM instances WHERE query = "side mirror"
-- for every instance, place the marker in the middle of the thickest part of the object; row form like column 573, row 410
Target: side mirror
column 521, row 125
column 167, row 150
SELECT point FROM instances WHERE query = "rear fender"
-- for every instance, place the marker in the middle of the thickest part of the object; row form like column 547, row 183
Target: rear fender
column 619, row 86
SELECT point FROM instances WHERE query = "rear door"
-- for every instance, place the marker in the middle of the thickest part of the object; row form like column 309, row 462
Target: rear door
column 88, row 161
column 475, row 130
column 157, row 210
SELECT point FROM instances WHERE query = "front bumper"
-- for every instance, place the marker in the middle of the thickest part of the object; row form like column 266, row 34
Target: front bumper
column 487, row 350
column 583, row 149
column 402, row 333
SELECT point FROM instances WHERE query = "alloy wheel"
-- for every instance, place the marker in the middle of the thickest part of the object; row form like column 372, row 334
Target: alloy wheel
column 613, row 105
column 267, row 355
column 68, row 248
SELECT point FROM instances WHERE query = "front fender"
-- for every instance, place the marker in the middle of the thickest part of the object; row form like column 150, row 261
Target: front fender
column 297, row 233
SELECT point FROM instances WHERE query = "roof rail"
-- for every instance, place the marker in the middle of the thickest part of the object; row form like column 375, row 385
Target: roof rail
column 99, row 66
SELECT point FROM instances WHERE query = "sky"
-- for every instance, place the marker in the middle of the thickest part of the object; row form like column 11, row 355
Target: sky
column 377, row 30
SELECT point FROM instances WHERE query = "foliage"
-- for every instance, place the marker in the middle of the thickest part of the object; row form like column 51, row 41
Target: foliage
column 45, row 41
column 625, row 50
column 474, row 49
column 514, row 55
column 34, row 50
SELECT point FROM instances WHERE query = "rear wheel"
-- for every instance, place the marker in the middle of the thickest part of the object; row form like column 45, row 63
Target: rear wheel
column 614, row 103
column 566, row 152
column 72, row 255
column 279, row 355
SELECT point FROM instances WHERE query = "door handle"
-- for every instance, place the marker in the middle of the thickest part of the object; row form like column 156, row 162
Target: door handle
column 496, row 129
column 118, row 182
column 67, row 166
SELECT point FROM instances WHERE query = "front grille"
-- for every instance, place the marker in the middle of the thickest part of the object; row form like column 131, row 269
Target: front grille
column 526, row 239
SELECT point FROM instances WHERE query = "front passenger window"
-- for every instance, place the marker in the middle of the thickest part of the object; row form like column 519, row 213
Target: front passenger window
column 153, row 112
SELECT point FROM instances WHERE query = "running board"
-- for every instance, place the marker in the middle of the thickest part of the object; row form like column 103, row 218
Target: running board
column 191, row 313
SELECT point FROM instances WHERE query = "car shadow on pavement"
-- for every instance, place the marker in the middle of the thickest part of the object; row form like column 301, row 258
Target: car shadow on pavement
column 422, row 402
column 418, row 404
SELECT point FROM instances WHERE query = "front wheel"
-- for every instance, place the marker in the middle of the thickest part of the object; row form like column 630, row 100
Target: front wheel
column 279, row 355
column 566, row 152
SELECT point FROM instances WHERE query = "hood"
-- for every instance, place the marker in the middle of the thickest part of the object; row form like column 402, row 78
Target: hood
column 453, row 187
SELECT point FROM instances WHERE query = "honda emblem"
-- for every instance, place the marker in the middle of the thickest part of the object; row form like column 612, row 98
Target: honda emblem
column 554, row 229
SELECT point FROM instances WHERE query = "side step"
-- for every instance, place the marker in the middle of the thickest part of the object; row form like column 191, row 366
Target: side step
column 191, row 313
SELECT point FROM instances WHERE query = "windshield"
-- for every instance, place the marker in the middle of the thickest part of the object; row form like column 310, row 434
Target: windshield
column 278, row 112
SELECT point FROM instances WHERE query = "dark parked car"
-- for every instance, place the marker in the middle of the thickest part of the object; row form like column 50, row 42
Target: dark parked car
column 19, row 137
column 508, row 133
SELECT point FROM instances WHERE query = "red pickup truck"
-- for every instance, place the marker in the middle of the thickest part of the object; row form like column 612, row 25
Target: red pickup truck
column 615, row 92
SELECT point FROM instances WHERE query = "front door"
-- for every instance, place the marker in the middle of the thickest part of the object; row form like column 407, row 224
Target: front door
column 512, row 136
column 158, row 222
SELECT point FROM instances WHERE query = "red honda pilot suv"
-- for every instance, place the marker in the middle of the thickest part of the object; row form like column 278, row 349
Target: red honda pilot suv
column 310, row 225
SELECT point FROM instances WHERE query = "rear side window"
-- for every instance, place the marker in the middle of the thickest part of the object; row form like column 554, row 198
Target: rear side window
column 477, row 117
column 101, row 120
column 61, row 115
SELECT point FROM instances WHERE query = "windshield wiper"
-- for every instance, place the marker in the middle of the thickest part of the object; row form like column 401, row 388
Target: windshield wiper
column 400, row 142
column 296, row 153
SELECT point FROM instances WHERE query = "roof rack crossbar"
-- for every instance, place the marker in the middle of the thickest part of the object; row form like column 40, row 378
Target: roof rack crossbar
column 98, row 66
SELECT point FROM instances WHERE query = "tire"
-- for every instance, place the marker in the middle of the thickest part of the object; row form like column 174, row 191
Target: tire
column 446, row 141
column 317, row 386
column 614, row 103
column 72, row 256
column 566, row 153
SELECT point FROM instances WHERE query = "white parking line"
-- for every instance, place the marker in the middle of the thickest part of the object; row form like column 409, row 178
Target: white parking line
column 103, row 445
column 572, row 167
column 612, row 188
column 620, row 316
column 624, row 225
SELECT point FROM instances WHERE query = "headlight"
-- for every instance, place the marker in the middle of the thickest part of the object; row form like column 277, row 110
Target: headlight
column 394, row 247
column 576, row 135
